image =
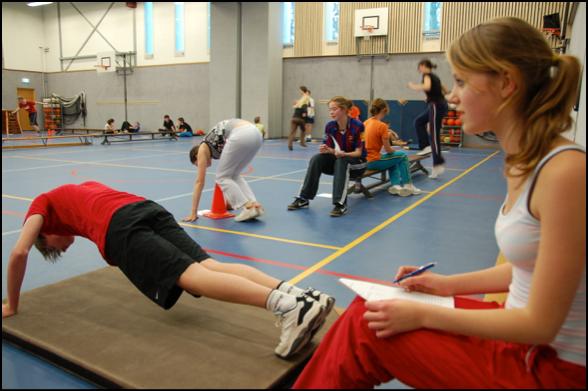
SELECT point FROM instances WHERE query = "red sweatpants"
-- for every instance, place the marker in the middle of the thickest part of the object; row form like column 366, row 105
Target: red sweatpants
column 351, row 356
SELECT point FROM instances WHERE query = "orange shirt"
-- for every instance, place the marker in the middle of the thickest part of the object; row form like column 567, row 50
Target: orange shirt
column 375, row 130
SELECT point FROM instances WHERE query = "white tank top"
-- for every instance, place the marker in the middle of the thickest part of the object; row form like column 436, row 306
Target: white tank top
column 518, row 234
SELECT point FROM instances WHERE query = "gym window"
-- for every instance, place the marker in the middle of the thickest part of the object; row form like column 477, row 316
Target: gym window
column 331, row 22
column 148, row 30
column 288, row 24
column 179, row 27
column 432, row 20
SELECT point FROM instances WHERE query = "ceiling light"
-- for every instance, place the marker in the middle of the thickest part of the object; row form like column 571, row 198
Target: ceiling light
column 38, row 4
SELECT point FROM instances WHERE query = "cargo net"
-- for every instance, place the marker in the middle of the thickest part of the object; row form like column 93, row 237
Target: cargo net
column 72, row 108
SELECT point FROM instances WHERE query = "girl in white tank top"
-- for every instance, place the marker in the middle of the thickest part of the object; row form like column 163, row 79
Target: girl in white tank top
column 524, row 93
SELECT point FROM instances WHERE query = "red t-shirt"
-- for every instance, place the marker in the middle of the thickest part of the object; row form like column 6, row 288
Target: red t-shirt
column 29, row 106
column 80, row 210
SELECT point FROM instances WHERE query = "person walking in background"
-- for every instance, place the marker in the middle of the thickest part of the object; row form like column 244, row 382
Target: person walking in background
column 309, row 120
column 341, row 153
column 235, row 143
column 432, row 116
column 525, row 93
column 378, row 137
column 298, row 118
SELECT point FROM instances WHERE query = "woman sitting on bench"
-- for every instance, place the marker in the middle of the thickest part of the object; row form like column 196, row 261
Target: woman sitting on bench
column 378, row 136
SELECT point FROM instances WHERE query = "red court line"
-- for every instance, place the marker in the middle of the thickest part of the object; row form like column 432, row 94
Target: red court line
column 297, row 267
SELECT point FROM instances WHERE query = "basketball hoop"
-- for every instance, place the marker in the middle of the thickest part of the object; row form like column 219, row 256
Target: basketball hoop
column 101, row 68
column 368, row 29
column 551, row 32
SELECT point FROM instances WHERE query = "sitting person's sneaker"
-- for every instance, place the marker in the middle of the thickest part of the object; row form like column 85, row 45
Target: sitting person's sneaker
column 339, row 210
column 297, row 325
column 298, row 203
column 399, row 191
column 413, row 190
column 247, row 214
column 425, row 151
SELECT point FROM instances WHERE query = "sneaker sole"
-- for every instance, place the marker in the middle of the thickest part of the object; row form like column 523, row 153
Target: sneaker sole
column 303, row 338
column 302, row 207
column 401, row 192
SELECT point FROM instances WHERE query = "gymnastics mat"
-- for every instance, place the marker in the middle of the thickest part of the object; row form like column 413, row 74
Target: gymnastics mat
column 99, row 326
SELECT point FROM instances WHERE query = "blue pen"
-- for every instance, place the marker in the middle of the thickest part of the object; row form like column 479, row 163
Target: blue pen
column 416, row 272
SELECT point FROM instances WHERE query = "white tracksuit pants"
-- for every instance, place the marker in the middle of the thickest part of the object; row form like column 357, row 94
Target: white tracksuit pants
column 239, row 150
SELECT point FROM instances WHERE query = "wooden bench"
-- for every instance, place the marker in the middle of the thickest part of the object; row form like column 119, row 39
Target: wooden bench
column 381, row 176
column 109, row 138
column 84, row 139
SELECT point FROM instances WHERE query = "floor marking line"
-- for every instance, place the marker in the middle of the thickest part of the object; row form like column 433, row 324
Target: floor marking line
column 16, row 197
column 11, row 232
column 383, row 225
column 297, row 267
column 260, row 236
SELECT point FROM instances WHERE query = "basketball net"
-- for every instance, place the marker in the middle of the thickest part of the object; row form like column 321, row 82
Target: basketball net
column 369, row 29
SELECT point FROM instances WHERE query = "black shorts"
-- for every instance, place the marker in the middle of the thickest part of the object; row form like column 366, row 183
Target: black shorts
column 152, row 250
column 33, row 119
column 309, row 120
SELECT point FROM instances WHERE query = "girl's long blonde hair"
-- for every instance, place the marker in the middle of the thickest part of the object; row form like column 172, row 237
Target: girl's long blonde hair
column 548, row 83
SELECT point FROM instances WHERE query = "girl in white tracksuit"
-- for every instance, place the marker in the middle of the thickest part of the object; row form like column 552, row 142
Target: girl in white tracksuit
column 234, row 142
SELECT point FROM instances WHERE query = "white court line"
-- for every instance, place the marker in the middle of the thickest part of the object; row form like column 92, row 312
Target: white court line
column 11, row 232
column 212, row 188
column 71, row 164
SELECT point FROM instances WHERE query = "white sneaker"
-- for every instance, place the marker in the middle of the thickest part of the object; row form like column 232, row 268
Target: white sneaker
column 399, row 191
column 328, row 302
column 297, row 325
column 425, row 151
column 437, row 170
column 247, row 214
column 308, row 139
column 413, row 190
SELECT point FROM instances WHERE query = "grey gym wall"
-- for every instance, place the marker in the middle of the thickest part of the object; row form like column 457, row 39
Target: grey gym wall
column 225, row 61
column 261, row 80
column 246, row 62
column 176, row 90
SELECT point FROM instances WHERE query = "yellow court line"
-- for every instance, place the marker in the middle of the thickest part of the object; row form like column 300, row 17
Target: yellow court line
column 17, row 198
column 260, row 236
column 383, row 225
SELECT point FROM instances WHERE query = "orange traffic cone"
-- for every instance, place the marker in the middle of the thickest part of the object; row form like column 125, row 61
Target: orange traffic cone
column 219, row 208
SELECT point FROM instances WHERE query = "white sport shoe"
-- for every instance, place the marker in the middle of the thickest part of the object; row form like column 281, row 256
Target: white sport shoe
column 328, row 302
column 297, row 325
column 247, row 214
column 399, row 191
column 437, row 170
column 413, row 190
column 425, row 151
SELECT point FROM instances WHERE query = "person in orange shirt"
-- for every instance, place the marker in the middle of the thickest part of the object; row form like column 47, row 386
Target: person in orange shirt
column 377, row 136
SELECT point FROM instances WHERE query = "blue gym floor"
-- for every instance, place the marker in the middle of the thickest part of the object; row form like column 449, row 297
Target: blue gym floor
column 452, row 222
